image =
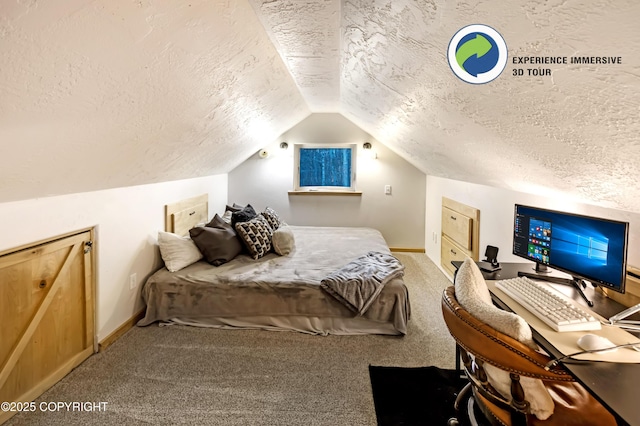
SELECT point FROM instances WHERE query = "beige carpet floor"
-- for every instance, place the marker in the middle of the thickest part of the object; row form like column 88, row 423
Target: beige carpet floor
column 195, row 376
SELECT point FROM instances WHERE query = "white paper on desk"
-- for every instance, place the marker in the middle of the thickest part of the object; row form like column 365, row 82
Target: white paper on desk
column 566, row 342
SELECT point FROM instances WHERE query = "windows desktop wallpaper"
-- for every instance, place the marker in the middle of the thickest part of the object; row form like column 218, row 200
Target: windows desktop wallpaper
column 589, row 247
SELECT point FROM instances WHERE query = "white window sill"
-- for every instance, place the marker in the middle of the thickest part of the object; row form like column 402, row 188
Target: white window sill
column 352, row 193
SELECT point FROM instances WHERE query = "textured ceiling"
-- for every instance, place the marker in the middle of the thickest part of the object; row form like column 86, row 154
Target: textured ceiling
column 104, row 94
column 101, row 94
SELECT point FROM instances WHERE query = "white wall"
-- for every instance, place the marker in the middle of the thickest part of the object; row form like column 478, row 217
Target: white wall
column 399, row 216
column 127, row 221
column 496, row 215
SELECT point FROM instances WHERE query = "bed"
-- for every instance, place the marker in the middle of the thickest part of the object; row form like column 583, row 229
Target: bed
column 274, row 292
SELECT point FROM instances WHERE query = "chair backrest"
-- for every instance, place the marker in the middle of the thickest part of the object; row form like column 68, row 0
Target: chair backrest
column 481, row 344
column 491, row 346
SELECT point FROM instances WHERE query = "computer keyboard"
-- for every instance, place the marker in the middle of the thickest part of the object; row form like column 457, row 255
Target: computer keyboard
column 543, row 302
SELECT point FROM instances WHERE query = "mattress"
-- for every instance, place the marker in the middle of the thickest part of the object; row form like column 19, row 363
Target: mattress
column 279, row 292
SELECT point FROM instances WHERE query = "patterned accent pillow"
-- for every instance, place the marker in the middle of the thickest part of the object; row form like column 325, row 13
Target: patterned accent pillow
column 272, row 218
column 256, row 235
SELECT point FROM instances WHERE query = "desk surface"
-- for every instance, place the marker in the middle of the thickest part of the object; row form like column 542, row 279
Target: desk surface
column 614, row 385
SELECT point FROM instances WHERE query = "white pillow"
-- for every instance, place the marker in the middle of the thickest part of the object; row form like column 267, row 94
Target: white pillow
column 176, row 251
column 282, row 240
column 473, row 295
column 227, row 216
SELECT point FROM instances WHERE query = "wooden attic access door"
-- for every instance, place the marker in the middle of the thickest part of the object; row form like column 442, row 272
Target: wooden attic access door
column 46, row 315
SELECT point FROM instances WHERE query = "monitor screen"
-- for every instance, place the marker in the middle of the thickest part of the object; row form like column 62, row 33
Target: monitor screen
column 585, row 247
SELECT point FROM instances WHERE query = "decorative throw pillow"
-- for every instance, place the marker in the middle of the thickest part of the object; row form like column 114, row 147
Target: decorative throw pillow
column 227, row 216
column 217, row 241
column 272, row 217
column 177, row 252
column 256, row 235
column 244, row 215
column 282, row 240
column 233, row 208
column 472, row 294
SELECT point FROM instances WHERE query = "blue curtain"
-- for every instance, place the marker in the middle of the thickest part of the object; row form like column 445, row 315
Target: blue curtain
column 325, row 167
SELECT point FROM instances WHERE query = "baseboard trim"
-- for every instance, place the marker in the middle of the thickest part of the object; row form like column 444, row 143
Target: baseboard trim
column 118, row 332
column 407, row 250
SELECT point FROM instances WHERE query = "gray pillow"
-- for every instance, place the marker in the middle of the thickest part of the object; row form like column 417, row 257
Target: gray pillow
column 234, row 208
column 217, row 241
column 244, row 215
column 283, row 241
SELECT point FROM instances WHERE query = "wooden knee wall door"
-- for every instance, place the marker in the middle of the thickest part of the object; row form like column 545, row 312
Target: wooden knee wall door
column 47, row 308
column 460, row 233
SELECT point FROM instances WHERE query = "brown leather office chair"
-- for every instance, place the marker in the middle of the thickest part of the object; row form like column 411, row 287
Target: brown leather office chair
column 573, row 404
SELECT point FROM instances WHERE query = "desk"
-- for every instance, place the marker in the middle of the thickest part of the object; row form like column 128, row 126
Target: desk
column 615, row 385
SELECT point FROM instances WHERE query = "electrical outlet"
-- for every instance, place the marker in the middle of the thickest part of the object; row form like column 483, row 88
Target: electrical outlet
column 133, row 281
column 387, row 189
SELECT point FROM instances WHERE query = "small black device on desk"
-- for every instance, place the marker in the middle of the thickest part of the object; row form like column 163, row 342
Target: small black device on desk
column 490, row 264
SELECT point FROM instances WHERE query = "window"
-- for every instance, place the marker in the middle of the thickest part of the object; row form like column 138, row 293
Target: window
column 325, row 167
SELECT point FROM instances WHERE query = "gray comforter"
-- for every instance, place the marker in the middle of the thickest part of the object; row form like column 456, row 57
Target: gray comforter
column 275, row 285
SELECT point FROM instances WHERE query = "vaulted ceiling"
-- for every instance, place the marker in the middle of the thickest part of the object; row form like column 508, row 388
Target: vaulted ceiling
column 103, row 94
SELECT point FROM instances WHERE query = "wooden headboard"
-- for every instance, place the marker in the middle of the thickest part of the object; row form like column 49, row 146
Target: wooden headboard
column 184, row 215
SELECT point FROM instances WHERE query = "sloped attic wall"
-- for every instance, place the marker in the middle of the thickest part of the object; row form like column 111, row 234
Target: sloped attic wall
column 573, row 132
column 103, row 94
column 107, row 94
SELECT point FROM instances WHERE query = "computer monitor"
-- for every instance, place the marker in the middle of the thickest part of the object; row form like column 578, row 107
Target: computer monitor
column 588, row 248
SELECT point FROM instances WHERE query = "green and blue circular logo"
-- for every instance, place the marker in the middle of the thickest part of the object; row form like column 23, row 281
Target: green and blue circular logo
column 477, row 54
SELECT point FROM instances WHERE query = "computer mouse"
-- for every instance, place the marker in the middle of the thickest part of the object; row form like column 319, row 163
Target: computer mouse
column 593, row 342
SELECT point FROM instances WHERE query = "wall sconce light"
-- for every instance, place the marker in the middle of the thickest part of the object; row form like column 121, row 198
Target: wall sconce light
column 284, row 145
column 369, row 152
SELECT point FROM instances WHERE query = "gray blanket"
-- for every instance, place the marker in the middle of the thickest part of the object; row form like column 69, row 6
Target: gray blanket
column 358, row 283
